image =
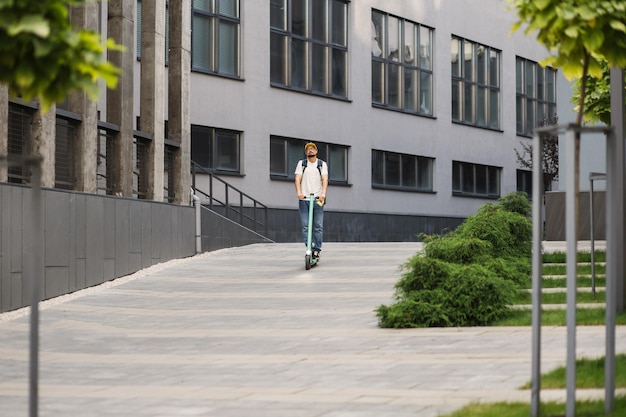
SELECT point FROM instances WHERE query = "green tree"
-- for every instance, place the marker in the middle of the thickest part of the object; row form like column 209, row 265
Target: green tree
column 597, row 100
column 550, row 150
column 581, row 35
column 43, row 57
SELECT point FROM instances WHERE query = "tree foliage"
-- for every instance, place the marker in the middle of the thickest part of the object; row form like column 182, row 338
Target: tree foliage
column 580, row 35
column 550, row 152
column 597, row 100
column 42, row 56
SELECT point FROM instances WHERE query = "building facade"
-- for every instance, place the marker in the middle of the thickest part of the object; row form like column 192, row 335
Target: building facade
column 417, row 107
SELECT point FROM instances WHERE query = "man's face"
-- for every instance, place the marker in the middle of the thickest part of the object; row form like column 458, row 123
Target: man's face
column 311, row 151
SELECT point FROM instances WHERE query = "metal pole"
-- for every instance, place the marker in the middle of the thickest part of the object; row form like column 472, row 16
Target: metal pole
column 197, row 206
column 615, row 229
column 35, row 282
column 572, row 137
column 535, row 401
column 591, row 237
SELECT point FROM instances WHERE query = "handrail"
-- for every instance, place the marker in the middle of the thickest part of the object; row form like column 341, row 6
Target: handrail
column 238, row 212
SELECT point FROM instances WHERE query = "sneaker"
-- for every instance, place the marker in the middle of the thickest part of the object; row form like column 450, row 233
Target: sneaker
column 316, row 254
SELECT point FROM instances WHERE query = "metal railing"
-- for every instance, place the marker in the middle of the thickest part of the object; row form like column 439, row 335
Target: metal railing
column 231, row 202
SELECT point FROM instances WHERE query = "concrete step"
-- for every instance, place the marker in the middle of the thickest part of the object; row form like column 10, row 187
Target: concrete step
column 563, row 289
column 578, row 263
column 565, row 276
column 558, row 306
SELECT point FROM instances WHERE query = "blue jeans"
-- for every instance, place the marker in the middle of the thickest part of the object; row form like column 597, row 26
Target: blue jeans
column 318, row 223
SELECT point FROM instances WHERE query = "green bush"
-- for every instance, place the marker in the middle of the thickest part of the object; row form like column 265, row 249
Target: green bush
column 470, row 276
column 516, row 202
column 420, row 274
column 457, row 249
column 470, row 295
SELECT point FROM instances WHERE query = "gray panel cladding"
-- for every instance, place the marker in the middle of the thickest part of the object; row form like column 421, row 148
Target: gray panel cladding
column 94, row 241
column 90, row 239
column 136, row 226
column 109, row 230
column 57, row 229
column 122, row 237
column 147, row 243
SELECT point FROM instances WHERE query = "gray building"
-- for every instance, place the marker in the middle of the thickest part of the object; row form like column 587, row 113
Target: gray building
column 418, row 108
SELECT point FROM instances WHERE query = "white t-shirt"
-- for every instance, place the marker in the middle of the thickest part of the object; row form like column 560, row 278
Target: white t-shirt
column 311, row 178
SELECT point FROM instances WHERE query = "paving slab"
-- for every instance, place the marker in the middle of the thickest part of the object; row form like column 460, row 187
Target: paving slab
column 248, row 332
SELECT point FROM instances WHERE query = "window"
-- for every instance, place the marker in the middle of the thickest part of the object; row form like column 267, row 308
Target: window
column 217, row 150
column 215, row 45
column 65, row 154
column 286, row 152
column 525, row 182
column 309, row 46
column 475, row 84
column 475, row 180
column 402, row 172
column 535, row 95
column 18, row 141
column 139, row 26
column 402, row 71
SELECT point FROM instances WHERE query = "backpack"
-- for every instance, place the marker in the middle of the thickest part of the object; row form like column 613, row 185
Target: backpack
column 319, row 165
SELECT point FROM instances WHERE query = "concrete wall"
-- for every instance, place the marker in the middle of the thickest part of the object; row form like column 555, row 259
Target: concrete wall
column 219, row 232
column 555, row 216
column 342, row 226
column 88, row 239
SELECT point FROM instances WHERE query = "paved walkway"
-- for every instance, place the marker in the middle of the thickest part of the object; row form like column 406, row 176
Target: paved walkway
column 248, row 332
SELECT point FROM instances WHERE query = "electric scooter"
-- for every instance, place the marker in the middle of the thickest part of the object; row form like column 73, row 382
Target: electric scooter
column 309, row 261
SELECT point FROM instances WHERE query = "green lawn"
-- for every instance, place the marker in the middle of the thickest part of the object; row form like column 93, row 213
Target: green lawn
column 524, row 297
column 560, row 257
column 589, row 372
column 562, row 269
column 549, row 409
column 584, row 317
column 561, row 282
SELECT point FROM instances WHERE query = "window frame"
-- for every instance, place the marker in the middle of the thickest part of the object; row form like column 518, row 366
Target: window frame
column 295, row 146
column 538, row 98
column 466, row 85
column 402, row 159
column 332, row 43
column 211, row 152
column 138, row 35
column 421, row 66
column 524, row 182
column 216, row 20
column 461, row 169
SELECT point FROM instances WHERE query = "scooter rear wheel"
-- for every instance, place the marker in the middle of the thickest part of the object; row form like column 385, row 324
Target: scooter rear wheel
column 307, row 262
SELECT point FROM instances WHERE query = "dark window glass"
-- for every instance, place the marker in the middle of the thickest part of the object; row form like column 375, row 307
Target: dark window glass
column 401, row 172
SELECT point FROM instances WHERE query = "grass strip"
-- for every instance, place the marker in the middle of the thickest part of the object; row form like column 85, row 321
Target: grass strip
column 589, row 374
column 560, row 257
column 584, row 317
column 593, row 408
column 581, row 269
column 525, row 297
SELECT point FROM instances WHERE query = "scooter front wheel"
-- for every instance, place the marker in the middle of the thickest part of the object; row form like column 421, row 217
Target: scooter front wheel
column 307, row 262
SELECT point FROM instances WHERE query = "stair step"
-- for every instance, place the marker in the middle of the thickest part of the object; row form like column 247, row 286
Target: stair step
column 577, row 263
column 558, row 306
column 560, row 290
column 565, row 276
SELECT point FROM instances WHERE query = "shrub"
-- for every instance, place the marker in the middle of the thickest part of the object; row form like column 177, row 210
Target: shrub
column 470, row 276
column 457, row 249
column 516, row 202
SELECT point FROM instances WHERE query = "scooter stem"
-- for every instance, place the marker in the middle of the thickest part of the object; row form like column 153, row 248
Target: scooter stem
column 310, row 224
